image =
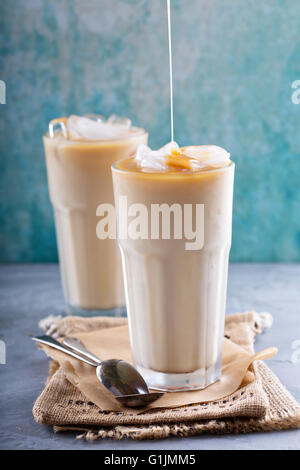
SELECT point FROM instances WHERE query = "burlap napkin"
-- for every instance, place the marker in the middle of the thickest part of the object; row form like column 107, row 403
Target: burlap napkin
column 251, row 400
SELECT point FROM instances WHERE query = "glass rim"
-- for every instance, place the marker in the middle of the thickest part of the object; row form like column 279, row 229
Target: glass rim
column 170, row 173
column 141, row 132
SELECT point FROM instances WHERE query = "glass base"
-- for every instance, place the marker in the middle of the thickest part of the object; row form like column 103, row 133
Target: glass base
column 113, row 312
column 196, row 380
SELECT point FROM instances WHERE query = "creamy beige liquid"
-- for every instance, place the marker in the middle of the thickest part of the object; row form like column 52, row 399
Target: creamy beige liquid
column 176, row 298
column 79, row 177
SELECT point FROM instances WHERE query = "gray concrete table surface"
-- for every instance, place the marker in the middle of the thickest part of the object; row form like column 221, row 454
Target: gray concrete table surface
column 31, row 292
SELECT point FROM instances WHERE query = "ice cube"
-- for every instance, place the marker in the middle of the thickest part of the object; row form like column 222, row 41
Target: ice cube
column 119, row 121
column 90, row 129
column 95, row 117
column 156, row 159
column 58, row 127
column 207, row 155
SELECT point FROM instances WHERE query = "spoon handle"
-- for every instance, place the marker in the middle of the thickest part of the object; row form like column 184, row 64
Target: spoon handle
column 49, row 341
column 76, row 345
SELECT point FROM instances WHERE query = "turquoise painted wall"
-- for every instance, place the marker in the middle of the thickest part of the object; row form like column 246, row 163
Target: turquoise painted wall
column 234, row 63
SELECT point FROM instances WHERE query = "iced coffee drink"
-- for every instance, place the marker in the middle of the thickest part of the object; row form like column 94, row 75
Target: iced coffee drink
column 176, row 285
column 79, row 155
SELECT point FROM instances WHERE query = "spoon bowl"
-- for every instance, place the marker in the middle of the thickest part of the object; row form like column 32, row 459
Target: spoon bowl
column 119, row 377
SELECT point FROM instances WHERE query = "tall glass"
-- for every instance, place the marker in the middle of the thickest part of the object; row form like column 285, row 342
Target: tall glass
column 176, row 297
column 79, row 179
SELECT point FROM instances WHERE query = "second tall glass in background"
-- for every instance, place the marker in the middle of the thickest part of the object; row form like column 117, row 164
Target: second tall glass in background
column 79, row 178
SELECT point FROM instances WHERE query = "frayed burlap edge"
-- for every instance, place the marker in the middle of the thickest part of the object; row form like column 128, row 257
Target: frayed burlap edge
column 283, row 414
column 217, row 427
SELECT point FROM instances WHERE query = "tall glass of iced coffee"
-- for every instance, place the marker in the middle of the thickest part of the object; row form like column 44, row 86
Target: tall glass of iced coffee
column 175, row 260
column 79, row 155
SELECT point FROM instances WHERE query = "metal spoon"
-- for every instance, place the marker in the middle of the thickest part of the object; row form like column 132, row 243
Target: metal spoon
column 119, row 377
